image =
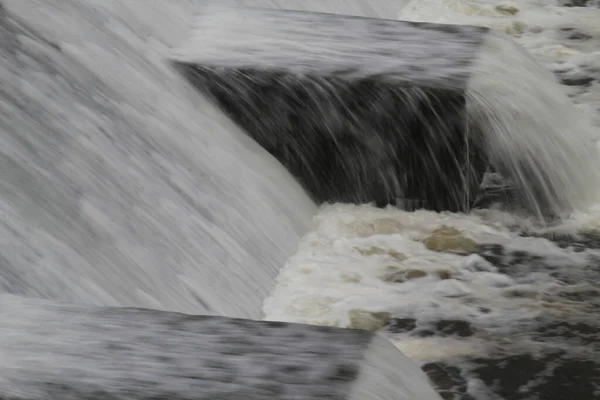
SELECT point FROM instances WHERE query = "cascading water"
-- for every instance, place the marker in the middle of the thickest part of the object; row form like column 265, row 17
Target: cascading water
column 533, row 133
column 121, row 185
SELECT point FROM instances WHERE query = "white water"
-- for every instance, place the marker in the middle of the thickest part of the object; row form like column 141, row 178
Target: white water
column 338, row 266
column 338, row 275
column 120, row 184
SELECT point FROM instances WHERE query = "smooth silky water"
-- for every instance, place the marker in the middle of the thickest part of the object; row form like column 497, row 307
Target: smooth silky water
column 123, row 186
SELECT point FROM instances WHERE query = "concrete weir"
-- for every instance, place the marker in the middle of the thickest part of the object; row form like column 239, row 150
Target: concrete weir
column 359, row 110
column 392, row 112
column 119, row 183
column 61, row 351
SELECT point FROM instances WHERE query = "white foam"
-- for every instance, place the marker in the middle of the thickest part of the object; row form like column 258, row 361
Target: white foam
column 532, row 130
column 328, row 276
column 342, row 264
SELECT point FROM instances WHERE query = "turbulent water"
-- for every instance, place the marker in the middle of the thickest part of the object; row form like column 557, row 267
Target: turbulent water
column 493, row 305
column 122, row 186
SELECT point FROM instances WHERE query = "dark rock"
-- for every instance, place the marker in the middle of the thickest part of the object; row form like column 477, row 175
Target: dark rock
column 351, row 130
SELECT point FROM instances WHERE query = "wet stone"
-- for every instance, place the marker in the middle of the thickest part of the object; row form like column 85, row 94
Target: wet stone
column 367, row 320
column 448, row 239
column 415, row 274
column 403, row 276
column 444, row 274
column 507, row 10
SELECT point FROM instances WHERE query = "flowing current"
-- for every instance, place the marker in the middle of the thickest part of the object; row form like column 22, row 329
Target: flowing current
column 122, row 186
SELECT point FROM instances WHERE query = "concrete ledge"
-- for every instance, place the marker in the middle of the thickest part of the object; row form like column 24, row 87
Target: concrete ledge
column 359, row 110
column 61, row 351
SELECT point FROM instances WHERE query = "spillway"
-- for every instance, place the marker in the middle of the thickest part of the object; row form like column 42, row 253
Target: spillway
column 394, row 112
column 123, row 186
column 133, row 206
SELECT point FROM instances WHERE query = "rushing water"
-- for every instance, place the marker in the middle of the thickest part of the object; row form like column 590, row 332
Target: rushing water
column 492, row 304
column 122, row 186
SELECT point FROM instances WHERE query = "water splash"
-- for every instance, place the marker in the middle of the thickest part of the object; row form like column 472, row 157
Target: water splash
column 532, row 132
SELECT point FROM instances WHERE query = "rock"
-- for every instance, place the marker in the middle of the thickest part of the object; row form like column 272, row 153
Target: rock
column 507, row 10
column 395, row 277
column 375, row 251
column 367, row 320
column 399, row 276
column 444, row 274
column 415, row 274
column 446, row 239
column 516, row 28
column 371, row 251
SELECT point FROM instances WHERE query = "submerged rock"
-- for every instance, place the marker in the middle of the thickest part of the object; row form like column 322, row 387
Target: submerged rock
column 447, row 239
column 507, row 10
column 367, row 320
